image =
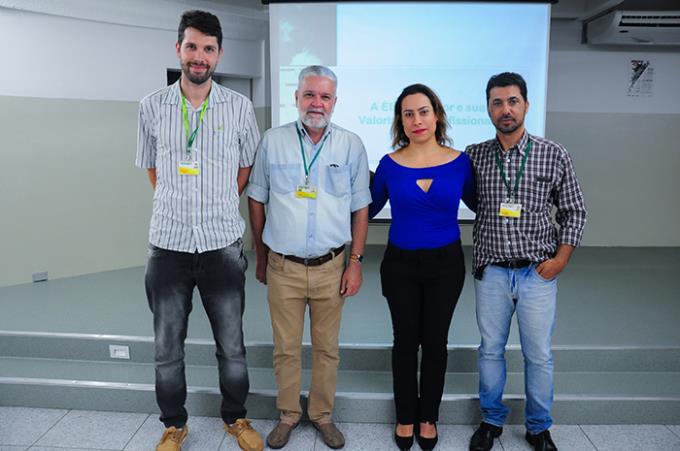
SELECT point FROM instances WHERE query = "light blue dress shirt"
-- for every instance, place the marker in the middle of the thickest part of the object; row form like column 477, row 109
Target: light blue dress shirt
column 309, row 227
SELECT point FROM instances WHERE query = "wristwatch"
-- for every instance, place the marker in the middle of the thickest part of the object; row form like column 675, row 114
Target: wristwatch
column 356, row 257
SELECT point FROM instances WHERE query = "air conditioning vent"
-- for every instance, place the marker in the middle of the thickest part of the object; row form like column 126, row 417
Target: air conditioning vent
column 635, row 28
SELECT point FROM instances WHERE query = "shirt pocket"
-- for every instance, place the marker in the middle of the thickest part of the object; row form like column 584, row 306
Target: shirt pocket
column 284, row 178
column 338, row 180
column 539, row 194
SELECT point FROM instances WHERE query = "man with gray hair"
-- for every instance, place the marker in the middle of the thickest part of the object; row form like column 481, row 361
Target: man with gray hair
column 313, row 176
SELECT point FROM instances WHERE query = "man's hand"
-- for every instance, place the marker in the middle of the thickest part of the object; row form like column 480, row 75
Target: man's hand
column 351, row 279
column 550, row 268
column 261, row 265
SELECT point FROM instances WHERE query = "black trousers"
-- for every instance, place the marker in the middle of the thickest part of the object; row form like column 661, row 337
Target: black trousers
column 422, row 288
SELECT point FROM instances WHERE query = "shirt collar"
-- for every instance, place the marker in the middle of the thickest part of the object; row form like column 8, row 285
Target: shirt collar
column 301, row 128
column 521, row 146
column 215, row 96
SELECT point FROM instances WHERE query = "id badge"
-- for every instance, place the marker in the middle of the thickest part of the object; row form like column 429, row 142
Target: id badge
column 305, row 192
column 510, row 210
column 189, row 167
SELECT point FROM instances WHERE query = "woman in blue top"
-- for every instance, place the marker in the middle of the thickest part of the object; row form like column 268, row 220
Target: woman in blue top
column 422, row 271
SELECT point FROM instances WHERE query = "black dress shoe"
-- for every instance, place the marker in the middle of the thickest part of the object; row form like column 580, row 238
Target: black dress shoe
column 403, row 443
column 482, row 439
column 428, row 444
column 542, row 441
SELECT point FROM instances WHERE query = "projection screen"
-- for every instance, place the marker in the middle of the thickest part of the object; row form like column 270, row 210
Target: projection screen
column 376, row 49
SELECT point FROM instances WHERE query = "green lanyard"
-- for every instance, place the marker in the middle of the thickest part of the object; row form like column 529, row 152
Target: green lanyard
column 513, row 193
column 304, row 158
column 192, row 137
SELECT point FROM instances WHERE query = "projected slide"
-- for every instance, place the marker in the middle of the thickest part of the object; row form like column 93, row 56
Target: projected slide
column 376, row 49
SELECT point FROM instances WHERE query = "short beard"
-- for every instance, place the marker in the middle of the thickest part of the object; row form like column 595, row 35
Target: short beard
column 194, row 79
column 321, row 122
column 508, row 130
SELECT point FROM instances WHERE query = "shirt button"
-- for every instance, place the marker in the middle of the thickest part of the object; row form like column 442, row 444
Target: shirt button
column 507, row 220
column 509, row 241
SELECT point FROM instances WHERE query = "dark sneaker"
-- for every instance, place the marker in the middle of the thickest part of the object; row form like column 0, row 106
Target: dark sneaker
column 482, row 439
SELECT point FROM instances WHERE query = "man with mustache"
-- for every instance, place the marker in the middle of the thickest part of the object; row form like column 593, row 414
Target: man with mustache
column 313, row 177
column 518, row 254
column 197, row 141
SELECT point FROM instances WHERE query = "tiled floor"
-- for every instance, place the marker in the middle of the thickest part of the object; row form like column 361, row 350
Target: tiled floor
column 23, row 429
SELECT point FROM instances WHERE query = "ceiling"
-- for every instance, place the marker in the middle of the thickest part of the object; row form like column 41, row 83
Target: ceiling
column 563, row 9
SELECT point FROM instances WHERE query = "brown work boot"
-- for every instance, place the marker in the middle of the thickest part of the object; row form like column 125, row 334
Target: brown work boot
column 246, row 437
column 280, row 435
column 330, row 435
column 172, row 439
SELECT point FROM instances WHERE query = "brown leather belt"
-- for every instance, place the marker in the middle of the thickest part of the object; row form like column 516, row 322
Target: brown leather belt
column 316, row 261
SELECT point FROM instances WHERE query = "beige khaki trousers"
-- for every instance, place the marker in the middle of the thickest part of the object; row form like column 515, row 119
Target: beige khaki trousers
column 292, row 287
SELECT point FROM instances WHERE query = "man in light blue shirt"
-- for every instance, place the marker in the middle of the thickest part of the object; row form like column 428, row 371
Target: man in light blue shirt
column 313, row 177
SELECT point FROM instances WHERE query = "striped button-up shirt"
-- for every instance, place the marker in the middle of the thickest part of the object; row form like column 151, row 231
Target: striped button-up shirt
column 309, row 227
column 548, row 181
column 196, row 213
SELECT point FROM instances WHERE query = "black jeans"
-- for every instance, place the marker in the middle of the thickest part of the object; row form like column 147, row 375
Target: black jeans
column 422, row 288
column 170, row 280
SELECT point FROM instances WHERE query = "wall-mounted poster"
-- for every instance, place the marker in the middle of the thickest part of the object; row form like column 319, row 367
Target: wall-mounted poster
column 641, row 78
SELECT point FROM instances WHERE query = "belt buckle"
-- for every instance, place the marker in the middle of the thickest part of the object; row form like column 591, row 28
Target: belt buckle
column 305, row 261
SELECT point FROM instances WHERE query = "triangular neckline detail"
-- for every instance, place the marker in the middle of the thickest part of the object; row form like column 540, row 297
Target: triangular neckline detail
column 424, row 184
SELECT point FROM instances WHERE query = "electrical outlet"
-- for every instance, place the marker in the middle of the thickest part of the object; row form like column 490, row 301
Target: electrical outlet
column 40, row 276
column 119, row 352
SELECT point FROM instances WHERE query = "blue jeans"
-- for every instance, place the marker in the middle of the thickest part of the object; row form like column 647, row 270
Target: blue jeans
column 170, row 280
column 500, row 294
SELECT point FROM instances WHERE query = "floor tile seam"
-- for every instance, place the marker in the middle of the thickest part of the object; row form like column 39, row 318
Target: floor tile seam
column 588, row 437
column 136, row 431
column 668, row 426
column 34, row 447
column 224, row 438
column 49, row 429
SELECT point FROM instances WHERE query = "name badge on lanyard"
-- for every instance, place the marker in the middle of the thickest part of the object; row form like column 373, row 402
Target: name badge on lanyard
column 307, row 190
column 191, row 166
column 512, row 209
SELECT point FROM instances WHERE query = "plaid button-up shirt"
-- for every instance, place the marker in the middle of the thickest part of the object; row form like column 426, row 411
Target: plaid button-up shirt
column 548, row 181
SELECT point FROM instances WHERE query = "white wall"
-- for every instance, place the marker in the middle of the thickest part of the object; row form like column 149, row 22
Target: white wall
column 625, row 149
column 73, row 74
column 68, row 107
column 72, row 58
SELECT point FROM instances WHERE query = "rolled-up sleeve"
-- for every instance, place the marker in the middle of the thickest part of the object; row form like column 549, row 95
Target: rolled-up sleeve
column 146, row 143
column 249, row 135
column 360, row 177
column 571, row 209
column 258, row 184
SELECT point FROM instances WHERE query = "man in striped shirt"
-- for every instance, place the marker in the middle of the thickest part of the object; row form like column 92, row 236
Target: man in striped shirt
column 197, row 141
column 518, row 254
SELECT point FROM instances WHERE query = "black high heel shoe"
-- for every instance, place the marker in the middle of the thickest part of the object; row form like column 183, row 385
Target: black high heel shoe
column 403, row 443
column 428, row 444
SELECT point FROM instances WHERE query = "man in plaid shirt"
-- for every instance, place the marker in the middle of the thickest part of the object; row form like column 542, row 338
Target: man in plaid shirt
column 518, row 253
